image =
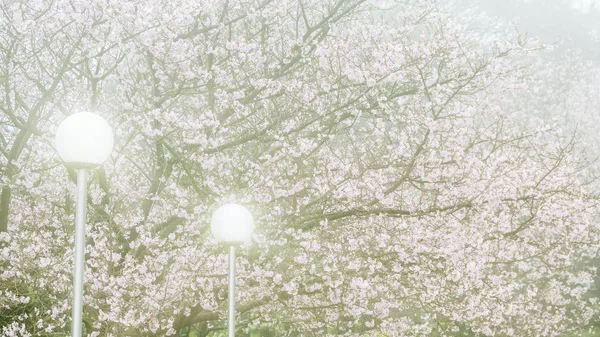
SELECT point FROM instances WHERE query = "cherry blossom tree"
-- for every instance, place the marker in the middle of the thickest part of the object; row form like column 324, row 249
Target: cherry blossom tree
column 379, row 144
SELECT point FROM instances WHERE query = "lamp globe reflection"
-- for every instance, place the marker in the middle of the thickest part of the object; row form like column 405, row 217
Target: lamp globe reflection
column 84, row 140
column 232, row 224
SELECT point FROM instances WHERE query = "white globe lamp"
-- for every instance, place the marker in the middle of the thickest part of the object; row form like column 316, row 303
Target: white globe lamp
column 84, row 140
column 232, row 224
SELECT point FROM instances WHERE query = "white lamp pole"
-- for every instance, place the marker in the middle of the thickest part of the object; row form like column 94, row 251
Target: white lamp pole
column 83, row 140
column 233, row 225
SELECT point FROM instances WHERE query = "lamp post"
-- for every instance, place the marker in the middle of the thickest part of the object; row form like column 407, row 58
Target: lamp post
column 233, row 225
column 83, row 140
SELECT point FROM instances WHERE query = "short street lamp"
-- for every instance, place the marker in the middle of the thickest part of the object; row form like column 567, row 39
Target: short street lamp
column 84, row 140
column 233, row 225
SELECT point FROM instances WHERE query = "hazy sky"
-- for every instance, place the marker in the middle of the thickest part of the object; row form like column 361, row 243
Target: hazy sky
column 584, row 5
column 574, row 23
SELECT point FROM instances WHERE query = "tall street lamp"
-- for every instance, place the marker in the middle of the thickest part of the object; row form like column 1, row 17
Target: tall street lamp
column 83, row 140
column 233, row 225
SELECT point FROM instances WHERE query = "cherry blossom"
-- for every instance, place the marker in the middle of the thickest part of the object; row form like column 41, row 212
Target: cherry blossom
column 401, row 179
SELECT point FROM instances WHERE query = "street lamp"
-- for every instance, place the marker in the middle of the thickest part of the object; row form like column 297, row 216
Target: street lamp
column 233, row 225
column 83, row 140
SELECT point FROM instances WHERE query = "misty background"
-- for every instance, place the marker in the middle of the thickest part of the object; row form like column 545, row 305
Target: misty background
column 567, row 73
